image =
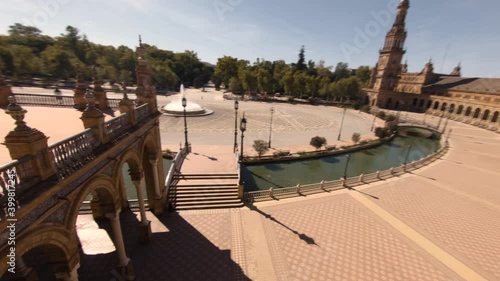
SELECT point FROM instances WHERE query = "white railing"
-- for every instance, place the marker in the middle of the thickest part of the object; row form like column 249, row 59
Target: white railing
column 175, row 168
column 279, row 193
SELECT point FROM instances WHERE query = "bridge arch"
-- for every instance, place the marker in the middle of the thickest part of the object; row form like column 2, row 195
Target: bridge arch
column 133, row 159
column 56, row 242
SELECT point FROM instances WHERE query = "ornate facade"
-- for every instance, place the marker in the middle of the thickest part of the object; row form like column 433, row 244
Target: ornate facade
column 471, row 100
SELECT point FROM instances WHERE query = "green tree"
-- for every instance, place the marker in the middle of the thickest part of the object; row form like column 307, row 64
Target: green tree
column 318, row 142
column 363, row 73
column 301, row 63
column 341, row 71
column 235, row 85
column 288, row 82
column 226, row 68
column 265, row 81
column 261, row 147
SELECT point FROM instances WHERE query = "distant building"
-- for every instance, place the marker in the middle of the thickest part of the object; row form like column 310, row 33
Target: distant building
column 470, row 100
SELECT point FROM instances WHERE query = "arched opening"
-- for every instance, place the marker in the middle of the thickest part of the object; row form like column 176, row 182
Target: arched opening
column 443, row 106
column 154, row 170
column 468, row 111
column 477, row 112
column 415, row 101
column 389, row 103
column 397, row 105
column 495, row 117
column 486, row 115
column 452, row 108
column 429, row 104
column 47, row 253
column 460, row 110
column 436, row 105
column 422, row 102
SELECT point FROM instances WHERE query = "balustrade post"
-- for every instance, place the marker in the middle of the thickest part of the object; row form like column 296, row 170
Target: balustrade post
column 24, row 141
column 271, row 192
column 361, row 177
column 93, row 118
column 298, row 189
column 378, row 174
column 322, row 185
column 127, row 106
column 392, row 171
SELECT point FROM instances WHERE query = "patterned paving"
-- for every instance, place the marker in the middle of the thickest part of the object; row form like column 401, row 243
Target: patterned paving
column 336, row 239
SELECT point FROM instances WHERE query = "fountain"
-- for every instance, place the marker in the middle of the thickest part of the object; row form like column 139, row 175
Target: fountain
column 175, row 108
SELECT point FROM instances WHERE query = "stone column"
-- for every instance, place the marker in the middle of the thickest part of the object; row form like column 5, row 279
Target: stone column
column 69, row 276
column 23, row 272
column 145, row 225
column 159, row 206
column 124, row 264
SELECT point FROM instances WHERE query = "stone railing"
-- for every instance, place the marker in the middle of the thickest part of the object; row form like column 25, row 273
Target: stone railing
column 74, row 152
column 301, row 190
column 117, row 126
column 44, row 100
column 175, row 168
column 142, row 112
column 18, row 176
column 53, row 100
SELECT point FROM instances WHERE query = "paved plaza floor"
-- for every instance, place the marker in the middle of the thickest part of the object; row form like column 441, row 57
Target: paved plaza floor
column 437, row 223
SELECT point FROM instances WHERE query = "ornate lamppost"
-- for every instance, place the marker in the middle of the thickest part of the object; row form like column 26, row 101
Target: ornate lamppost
column 373, row 124
column 342, row 124
column 184, row 104
column 271, row 126
column 236, row 106
column 243, row 128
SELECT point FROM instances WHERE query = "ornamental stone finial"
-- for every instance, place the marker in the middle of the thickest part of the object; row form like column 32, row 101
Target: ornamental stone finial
column 17, row 113
column 89, row 97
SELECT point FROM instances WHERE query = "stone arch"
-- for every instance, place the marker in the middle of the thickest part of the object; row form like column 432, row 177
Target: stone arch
column 495, row 117
column 468, row 111
column 486, row 115
column 477, row 113
column 429, row 104
column 436, row 105
column 133, row 159
column 460, row 110
column 443, row 106
column 389, row 103
column 54, row 241
column 422, row 102
column 107, row 194
column 452, row 108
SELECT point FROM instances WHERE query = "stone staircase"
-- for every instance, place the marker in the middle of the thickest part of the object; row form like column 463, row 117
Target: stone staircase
column 205, row 191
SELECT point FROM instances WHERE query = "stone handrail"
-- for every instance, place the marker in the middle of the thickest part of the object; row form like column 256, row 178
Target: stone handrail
column 272, row 194
column 117, row 126
column 175, row 168
column 71, row 153
column 53, row 100
column 142, row 112
column 21, row 174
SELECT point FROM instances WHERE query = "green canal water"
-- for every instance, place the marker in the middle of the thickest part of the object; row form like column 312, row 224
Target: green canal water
column 288, row 174
column 129, row 186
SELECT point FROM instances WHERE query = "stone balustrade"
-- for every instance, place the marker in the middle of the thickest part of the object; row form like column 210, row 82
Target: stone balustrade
column 117, row 126
column 19, row 175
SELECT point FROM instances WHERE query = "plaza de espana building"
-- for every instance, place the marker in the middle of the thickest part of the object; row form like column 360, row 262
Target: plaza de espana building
column 471, row 100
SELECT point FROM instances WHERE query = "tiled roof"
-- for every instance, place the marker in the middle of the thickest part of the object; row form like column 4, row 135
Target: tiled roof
column 477, row 85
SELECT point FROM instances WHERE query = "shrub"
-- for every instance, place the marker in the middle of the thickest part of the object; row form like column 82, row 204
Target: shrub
column 382, row 132
column 318, row 142
column 366, row 108
column 381, row 115
column 356, row 137
column 261, row 147
column 390, row 118
column 290, row 99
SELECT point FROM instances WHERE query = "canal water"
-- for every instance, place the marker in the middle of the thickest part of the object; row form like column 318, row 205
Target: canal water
column 288, row 174
column 129, row 186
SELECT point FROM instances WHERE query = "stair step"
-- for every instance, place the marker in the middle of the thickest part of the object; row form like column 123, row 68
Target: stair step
column 204, row 207
column 207, row 186
column 192, row 202
column 205, row 200
column 204, row 175
column 206, row 195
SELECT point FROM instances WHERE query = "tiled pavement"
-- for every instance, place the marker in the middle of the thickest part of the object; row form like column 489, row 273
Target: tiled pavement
column 454, row 204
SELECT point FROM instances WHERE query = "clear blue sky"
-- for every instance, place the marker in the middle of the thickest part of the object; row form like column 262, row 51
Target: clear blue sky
column 449, row 31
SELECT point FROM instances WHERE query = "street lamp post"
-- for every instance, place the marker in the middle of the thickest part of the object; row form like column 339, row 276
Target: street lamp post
column 236, row 106
column 184, row 104
column 342, row 123
column 271, row 126
column 243, row 128
column 348, row 157
column 440, row 120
